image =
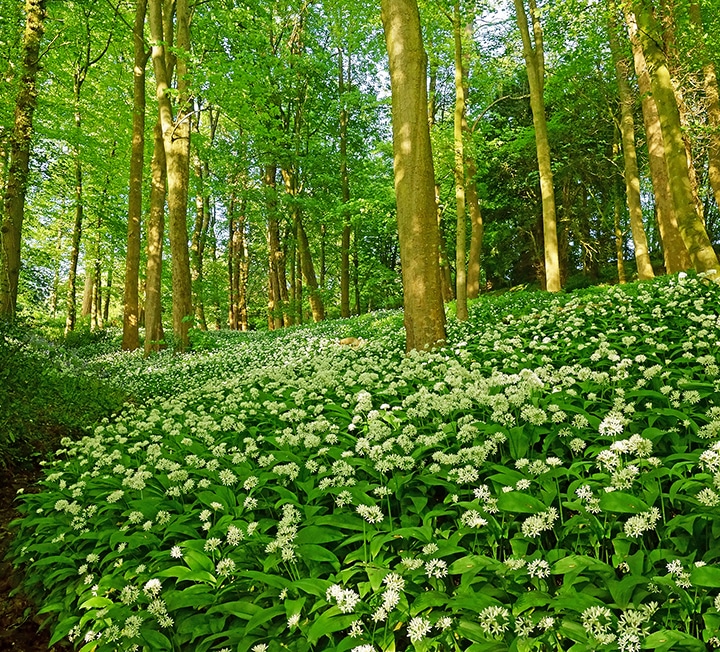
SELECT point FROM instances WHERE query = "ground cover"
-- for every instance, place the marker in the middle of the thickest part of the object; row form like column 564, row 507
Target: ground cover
column 548, row 480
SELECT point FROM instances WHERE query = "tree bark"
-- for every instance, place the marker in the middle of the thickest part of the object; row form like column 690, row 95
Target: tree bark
column 414, row 176
column 19, row 162
column 303, row 246
column 535, row 61
column 131, row 309
column 712, row 101
column 277, row 306
column 675, row 253
column 631, row 172
column 461, row 223
column 345, row 196
column 176, row 139
column 154, row 335
column 691, row 227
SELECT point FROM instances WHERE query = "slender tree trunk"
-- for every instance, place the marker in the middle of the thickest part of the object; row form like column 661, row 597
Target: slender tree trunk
column 75, row 248
column 19, row 161
column 675, row 252
column 535, row 62
column 477, row 229
column 461, row 226
column 56, row 271
column 131, row 333
column 276, row 306
column 108, row 288
column 631, row 172
column 303, row 246
column 89, row 284
column 414, row 176
column 712, row 101
column 345, row 190
column 356, row 272
column 154, row 334
column 691, row 227
column 176, row 139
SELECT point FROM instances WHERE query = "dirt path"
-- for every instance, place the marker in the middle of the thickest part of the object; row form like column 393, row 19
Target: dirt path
column 19, row 627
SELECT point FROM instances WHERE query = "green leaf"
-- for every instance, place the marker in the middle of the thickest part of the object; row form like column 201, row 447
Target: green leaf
column 520, row 503
column 622, row 503
column 328, row 622
column 706, row 576
column 666, row 639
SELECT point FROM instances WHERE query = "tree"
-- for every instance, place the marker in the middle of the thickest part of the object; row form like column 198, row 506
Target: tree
column 458, row 120
column 131, row 317
column 414, row 176
column 176, row 140
column 533, row 52
column 631, row 172
column 16, row 186
column 690, row 224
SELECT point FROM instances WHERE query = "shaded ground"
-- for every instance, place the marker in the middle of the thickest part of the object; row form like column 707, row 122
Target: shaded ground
column 19, row 626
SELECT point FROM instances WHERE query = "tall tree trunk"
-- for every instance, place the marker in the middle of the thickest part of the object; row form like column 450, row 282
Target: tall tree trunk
column 176, row 139
column 276, row 306
column 108, row 288
column 477, row 229
column 461, row 225
column 154, row 334
column 345, row 193
column 131, row 332
column 356, row 272
column 631, row 172
column 691, row 227
column 75, row 247
column 19, row 162
column 414, row 176
column 675, row 253
column 535, row 62
column 712, row 101
column 303, row 245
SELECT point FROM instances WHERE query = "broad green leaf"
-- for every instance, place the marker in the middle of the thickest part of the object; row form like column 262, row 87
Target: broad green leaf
column 622, row 503
column 520, row 503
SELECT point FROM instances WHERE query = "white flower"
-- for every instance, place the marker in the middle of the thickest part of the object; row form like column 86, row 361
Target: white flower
column 293, row 620
column 436, row 568
column 418, row 627
column 152, row 587
column 371, row 513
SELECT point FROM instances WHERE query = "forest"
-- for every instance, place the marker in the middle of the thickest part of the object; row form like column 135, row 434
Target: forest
column 359, row 328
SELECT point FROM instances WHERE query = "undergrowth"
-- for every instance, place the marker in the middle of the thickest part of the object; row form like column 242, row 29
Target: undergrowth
column 548, row 480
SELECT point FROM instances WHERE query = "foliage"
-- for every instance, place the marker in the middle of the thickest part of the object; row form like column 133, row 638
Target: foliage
column 46, row 392
column 548, row 479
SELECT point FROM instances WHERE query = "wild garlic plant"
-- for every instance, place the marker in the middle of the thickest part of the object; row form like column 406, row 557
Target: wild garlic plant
column 550, row 479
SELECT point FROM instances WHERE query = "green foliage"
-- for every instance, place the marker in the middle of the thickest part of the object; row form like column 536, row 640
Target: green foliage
column 546, row 481
column 46, row 392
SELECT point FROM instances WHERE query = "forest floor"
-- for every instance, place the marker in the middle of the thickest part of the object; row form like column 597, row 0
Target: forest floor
column 19, row 624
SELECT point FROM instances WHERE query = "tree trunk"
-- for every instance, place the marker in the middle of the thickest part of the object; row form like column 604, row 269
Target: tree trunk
column 154, row 334
column 303, row 246
column 176, row 139
column 131, row 333
column 675, row 253
column 692, row 229
column 75, row 249
column 534, row 60
column 345, row 195
column 461, row 225
column 712, row 100
column 108, row 287
column 276, row 306
column 414, row 176
column 19, row 163
column 631, row 172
